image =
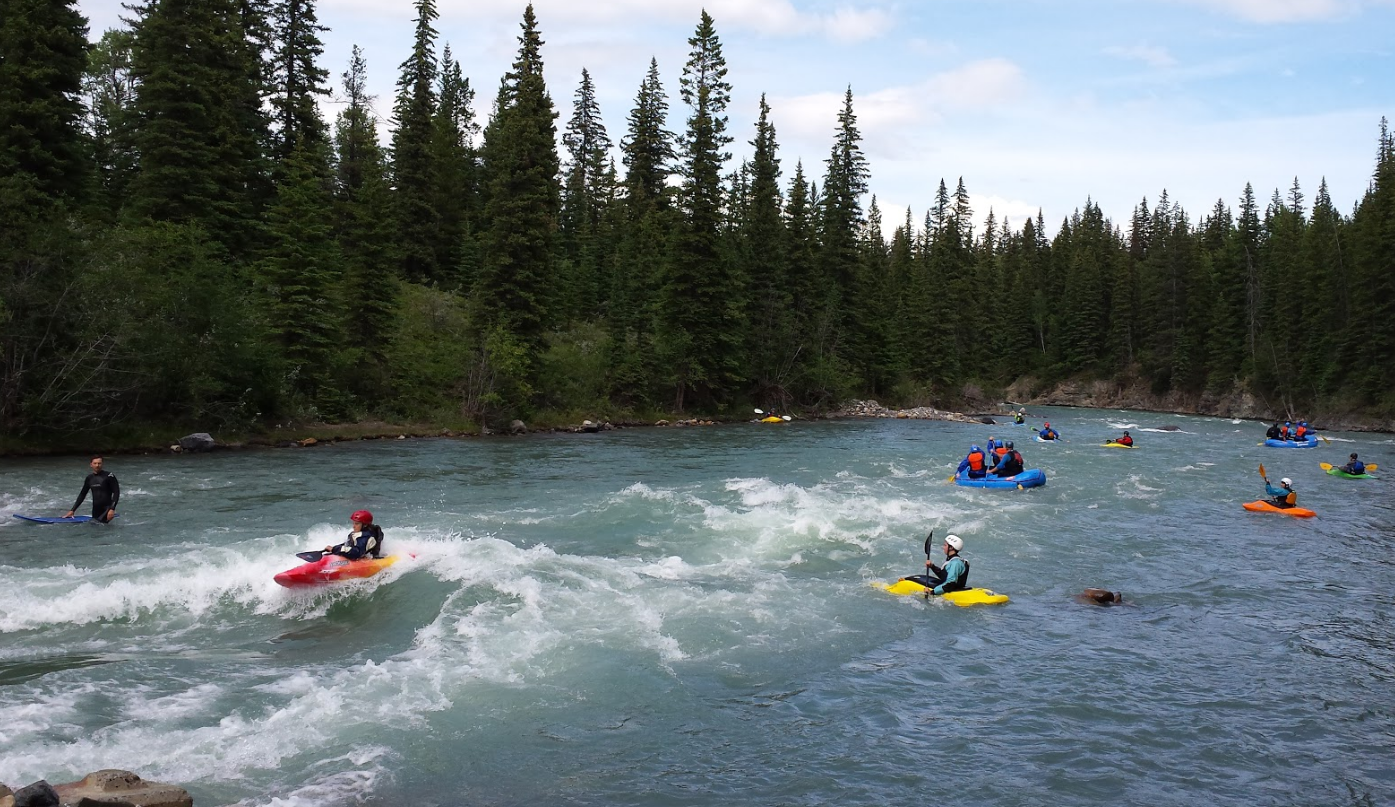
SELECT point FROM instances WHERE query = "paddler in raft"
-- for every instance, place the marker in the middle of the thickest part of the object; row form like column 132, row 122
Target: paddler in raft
column 366, row 540
column 1284, row 497
column 1356, row 467
column 975, row 462
column 1010, row 463
column 1275, row 432
column 954, row 575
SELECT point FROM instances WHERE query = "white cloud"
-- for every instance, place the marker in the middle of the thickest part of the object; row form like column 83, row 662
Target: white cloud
column 1152, row 55
column 1276, row 11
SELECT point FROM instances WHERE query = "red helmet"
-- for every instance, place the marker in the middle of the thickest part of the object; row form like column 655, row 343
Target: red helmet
column 362, row 517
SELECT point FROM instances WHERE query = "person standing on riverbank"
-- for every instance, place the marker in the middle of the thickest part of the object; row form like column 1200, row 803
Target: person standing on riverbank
column 106, row 491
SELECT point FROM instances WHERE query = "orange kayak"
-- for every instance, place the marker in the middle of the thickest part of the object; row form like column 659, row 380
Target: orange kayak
column 1266, row 507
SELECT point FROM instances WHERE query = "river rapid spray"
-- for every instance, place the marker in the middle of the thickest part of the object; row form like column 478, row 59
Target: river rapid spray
column 666, row 617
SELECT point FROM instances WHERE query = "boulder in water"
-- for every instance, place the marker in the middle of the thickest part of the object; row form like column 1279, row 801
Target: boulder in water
column 198, row 441
column 39, row 794
column 113, row 786
column 518, row 427
column 1169, row 428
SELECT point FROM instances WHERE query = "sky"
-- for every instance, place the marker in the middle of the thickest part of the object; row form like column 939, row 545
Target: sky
column 1035, row 104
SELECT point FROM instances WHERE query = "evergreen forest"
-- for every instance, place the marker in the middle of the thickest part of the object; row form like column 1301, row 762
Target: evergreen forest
column 186, row 239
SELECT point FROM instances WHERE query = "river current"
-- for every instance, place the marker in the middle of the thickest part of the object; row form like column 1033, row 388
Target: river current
column 675, row 617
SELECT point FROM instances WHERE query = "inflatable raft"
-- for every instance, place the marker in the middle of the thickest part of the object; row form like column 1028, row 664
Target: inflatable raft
column 1032, row 478
column 1272, row 443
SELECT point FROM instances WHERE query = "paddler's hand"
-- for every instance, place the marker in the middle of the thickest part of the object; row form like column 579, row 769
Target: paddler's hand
column 111, row 514
column 68, row 514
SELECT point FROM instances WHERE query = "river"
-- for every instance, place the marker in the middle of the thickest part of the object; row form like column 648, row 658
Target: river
column 687, row 617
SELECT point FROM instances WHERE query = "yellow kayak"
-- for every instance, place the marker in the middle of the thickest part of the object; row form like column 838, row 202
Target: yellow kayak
column 1116, row 445
column 772, row 419
column 965, row 598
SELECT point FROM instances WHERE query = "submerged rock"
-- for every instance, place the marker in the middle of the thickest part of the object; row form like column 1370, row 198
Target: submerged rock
column 518, row 427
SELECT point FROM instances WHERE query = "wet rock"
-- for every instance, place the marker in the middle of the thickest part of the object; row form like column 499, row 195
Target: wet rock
column 1169, row 428
column 7, row 797
column 39, row 794
column 589, row 427
column 114, row 787
column 198, row 441
column 518, row 427
column 661, row 423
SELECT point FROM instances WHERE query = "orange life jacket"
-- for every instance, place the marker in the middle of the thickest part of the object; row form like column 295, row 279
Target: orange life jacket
column 1302, row 430
column 975, row 461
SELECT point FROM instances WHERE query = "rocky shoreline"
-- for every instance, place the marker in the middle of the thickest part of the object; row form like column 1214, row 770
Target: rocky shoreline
column 1239, row 402
column 104, row 788
column 872, row 409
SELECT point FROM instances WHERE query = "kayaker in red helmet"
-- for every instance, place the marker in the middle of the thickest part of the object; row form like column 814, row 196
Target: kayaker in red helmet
column 366, row 540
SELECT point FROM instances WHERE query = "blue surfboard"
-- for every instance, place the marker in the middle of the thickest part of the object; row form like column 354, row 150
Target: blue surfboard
column 73, row 520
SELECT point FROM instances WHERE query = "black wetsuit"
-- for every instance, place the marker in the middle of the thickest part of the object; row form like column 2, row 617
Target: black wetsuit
column 105, row 493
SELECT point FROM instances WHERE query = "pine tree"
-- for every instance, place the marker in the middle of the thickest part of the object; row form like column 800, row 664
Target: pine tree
column 583, row 201
column 299, row 274
column 521, row 209
column 455, row 177
column 200, row 143
column 772, row 347
column 702, row 305
column 413, row 170
column 109, row 91
column 43, row 177
column 365, row 230
column 296, row 79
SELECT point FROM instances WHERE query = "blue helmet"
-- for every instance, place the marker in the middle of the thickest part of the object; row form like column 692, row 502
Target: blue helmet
column 1288, row 423
column 974, row 448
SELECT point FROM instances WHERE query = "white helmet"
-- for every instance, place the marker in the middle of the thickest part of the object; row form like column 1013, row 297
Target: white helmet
column 1286, row 481
column 954, row 542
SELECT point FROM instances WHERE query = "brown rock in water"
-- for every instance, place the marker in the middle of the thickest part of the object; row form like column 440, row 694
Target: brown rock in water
column 113, row 787
column 7, row 797
column 39, row 794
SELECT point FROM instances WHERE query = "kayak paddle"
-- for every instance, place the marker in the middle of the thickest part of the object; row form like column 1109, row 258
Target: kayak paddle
column 310, row 557
column 928, row 564
column 1262, row 474
column 1327, row 466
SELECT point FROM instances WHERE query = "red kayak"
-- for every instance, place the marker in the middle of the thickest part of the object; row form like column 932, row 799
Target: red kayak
column 331, row 568
column 1266, row 507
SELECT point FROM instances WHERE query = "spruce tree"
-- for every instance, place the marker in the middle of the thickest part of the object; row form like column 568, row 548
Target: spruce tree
column 200, row 143
column 702, row 303
column 297, row 81
column 455, row 176
column 412, row 167
column 583, row 201
column 42, row 157
column 772, row 346
column 364, row 228
column 515, row 284
column 109, row 91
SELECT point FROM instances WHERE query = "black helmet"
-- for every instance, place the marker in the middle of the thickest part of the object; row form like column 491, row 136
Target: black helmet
column 1353, row 455
column 1008, row 444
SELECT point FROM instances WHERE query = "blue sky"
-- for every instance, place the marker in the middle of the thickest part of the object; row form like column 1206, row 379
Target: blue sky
column 1035, row 103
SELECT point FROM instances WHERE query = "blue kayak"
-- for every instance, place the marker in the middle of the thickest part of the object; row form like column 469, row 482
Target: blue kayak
column 57, row 520
column 1033, row 478
column 1291, row 443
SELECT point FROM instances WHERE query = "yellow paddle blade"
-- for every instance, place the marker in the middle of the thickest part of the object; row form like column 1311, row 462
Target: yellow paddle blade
column 1326, row 466
column 1261, row 471
column 1371, row 466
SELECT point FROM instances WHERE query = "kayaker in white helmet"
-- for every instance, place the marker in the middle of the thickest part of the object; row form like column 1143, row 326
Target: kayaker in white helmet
column 954, row 575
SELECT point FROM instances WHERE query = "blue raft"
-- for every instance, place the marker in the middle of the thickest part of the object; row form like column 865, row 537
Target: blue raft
column 1033, row 478
column 1291, row 443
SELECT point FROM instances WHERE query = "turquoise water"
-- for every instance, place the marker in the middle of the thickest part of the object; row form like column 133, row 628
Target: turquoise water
column 687, row 617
